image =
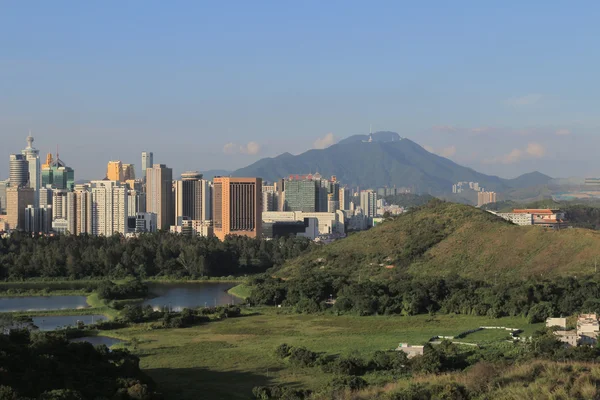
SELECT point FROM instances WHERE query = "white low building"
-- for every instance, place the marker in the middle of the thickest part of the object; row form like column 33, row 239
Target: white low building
column 328, row 223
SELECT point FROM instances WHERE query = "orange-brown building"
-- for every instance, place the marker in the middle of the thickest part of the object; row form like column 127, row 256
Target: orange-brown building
column 237, row 208
column 114, row 171
column 545, row 217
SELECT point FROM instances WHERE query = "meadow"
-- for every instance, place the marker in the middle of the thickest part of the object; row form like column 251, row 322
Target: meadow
column 226, row 359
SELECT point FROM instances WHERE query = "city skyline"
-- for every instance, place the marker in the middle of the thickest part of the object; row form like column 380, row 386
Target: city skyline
column 503, row 102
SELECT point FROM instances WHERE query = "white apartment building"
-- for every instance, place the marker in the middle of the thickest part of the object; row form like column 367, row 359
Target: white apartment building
column 109, row 208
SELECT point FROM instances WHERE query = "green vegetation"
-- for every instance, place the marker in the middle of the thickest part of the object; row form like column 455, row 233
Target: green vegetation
column 227, row 358
column 241, row 291
column 408, row 200
column 162, row 255
column 441, row 239
column 46, row 366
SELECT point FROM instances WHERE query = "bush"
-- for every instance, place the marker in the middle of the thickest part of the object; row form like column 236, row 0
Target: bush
column 302, row 357
column 283, row 350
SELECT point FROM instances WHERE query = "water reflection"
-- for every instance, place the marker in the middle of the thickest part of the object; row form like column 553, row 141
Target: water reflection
column 50, row 323
column 177, row 296
column 42, row 303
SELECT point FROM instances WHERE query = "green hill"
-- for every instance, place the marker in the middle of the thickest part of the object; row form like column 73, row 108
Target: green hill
column 446, row 238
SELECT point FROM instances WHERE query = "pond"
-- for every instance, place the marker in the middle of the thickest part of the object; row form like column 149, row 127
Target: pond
column 50, row 323
column 177, row 296
column 42, row 303
column 98, row 340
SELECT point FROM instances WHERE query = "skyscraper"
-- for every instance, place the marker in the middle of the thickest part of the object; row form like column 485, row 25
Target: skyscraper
column 109, row 208
column 3, row 186
column 237, row 208
column 159, row 195
column 147, row 161
column 56, row 174
column 18, row 198
column 368, row 203
column 18, row 170
column 301, row 194
column 128, row 172
column 32, row 156
column 114, row 171
column 192, row 198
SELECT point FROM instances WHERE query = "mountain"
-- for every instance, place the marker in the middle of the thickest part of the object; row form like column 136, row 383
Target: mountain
column 442, row 239
column 388, row 160
column 528, row 180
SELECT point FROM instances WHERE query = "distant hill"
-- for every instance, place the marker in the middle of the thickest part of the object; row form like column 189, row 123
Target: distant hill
column 442, row 238
column 388, row 160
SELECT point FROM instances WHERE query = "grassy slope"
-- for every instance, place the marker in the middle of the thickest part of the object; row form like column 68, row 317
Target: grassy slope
column 455, row 239
column 241, row 291
column 226, row 359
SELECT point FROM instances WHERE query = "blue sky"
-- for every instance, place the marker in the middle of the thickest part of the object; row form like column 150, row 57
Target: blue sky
column 504, row 88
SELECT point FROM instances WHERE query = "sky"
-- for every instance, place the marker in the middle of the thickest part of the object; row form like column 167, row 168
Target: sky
column 504, row 88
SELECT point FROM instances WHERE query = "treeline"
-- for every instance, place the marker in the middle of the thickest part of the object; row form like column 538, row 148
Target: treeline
column 159, row 254
column 316, row 291
column 38, row 365
column 133, row 289
column 352, row 372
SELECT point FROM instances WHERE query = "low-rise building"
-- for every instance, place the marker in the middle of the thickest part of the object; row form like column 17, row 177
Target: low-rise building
column 557, row 322
column 545, row 217
column 588, row 328
column 411, row 351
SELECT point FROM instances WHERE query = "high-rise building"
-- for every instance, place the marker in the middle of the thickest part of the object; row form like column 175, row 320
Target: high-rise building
column 79, row 211
column 109, row 208
column 128, row 172
column 57, row 175
column 237, row 208
column 344, row 198
column 45, row 196
column 38, row 220
column 59, row 204
column 301, row 194
column 147, row 161
column 32, row 156
column 368, row 203
column 17, row 200
column 192, row 198
column 18, row 170
column 3, row 186
column 485, row 198
column 332, row 204
column 114, row 171
column 159, row 195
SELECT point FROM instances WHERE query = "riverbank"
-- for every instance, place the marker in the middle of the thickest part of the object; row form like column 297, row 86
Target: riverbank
column 241, row 291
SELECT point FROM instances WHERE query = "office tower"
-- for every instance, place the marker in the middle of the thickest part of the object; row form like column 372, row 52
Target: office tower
column 192, row 198
column 159, row 195
column 301, row 194
column 109, row 208
column 3, row 186
column 38, row 220
column 237, row 208
column 17, row 200
column 114, row 171
column 147, row 161
column 57, row 175
column 32, row 156
column 18, row 170
column 145, row 222
column 269, row 199
column 368, row 203
column 79, row 211
column 128, row 172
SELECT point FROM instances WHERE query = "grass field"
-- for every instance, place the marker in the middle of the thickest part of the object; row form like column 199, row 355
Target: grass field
column 241, row 291
column 226, row 359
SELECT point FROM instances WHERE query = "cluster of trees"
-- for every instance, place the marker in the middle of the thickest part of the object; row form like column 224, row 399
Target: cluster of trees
column 313, row 291
column 132, row 289
column 38, row 365
column 158, row 254
column 169, row 319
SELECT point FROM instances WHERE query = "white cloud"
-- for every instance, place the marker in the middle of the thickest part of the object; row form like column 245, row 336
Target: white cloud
column 563, row 132
column 429, row 149
column 325, row 141
column 524, row 101
column 444, row 128
column 533, row 150
column 252, row 148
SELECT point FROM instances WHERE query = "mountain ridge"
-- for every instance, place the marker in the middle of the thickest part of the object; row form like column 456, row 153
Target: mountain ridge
column 388, row 160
